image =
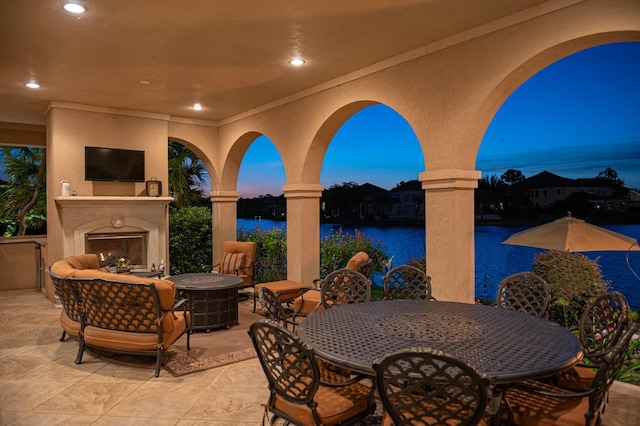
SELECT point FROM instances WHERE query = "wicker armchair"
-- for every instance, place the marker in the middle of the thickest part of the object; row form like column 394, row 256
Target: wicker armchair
column 602, row 324
column 297, row 393
column 427, row 387
column 536, row 402
column 524, row 292
column 407, row 282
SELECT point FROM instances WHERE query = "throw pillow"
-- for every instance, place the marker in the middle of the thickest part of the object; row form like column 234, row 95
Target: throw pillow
column 231, row 262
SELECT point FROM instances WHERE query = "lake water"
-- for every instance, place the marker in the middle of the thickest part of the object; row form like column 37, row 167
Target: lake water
column 494, row 261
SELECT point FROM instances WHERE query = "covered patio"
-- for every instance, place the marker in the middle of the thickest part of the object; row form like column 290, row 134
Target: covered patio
column 125, row 77
column 126, row 74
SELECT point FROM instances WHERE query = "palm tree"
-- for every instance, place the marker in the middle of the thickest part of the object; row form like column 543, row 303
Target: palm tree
column 186, row 174
column 23, row 196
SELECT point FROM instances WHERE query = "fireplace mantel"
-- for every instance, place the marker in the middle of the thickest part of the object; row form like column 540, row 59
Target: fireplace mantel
column 82, row 215
column 97, row 201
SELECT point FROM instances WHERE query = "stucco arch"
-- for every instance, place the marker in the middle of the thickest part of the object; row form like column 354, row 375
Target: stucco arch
column 322, row 138
column 233, row 160
column 202, row 139
column 513, row 80
column 448, row 96
column 206, row 161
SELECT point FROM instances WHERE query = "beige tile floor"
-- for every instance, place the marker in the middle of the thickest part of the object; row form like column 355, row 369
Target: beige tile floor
column 41, row 385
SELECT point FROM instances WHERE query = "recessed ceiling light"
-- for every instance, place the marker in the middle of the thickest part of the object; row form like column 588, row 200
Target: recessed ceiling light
column 74, row 8
column 197, row 107
column 145, row 82
column 32, row 85
column 296, row 62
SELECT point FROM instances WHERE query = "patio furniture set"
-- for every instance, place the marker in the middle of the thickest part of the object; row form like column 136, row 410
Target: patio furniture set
column 435, row 362
column 428, row 360
column 135, row 313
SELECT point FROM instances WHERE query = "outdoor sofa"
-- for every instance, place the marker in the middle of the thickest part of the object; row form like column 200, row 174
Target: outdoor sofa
column 117, row 312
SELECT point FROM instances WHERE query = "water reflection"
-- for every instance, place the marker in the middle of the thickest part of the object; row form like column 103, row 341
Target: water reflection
column 494, row 261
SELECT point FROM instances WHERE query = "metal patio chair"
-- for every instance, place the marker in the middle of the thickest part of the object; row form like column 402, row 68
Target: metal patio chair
column 427, row 387
column 524, row 292
column 407, row 282
column 297, row 393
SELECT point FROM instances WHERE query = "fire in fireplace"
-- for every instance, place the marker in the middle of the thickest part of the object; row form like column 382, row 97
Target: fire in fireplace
column 112, row 246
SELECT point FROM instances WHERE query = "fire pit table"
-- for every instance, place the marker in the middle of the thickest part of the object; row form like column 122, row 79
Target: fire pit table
column 213, row 298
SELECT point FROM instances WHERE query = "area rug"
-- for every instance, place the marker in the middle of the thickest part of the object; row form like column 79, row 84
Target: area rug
column 179, row 362
column 215, row 348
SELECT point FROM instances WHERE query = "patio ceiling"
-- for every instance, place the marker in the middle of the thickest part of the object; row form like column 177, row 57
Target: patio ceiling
column 161, row 56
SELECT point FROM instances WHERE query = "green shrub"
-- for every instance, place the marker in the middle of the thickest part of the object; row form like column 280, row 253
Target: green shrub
column 630, row 372
column 335, row 251
column 574, row 280
column 338, row 247
column 190, row 233
column 271, row 255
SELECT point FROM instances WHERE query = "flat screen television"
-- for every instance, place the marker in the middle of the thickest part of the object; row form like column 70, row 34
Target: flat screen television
column 113, row 165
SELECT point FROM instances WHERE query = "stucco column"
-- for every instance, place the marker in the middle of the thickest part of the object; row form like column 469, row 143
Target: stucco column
column 303, row 231
column 449, row 218
column 224, row 216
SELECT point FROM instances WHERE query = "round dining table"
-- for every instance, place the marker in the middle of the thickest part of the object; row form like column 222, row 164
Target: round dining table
column 507, row 346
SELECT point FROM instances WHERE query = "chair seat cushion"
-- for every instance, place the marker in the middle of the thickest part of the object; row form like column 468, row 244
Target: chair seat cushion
column 174, row 324
column 530, row 409
column 577, row 378
column 386, row 421
column 247, row 281
column 307, row 302
column 286, row 289
column 70, row 326
column 335, row 405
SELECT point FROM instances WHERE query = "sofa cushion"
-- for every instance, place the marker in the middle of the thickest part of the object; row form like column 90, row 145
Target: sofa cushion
column 358, row 261
column 173, row 325
column 285, row 289
column 68, row 267
column 307, row 302
column 70, row 326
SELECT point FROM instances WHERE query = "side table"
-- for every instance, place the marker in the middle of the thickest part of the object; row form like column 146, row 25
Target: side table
column 213, row 298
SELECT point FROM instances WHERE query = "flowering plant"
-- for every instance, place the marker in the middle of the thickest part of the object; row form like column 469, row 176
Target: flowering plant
column 122, row 263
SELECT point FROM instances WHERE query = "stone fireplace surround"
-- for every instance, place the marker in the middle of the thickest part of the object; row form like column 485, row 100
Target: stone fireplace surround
column 81, row 215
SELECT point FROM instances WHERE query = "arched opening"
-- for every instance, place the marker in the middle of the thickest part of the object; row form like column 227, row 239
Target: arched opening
column 543, row 150
column 370, row 174
column 190, row 225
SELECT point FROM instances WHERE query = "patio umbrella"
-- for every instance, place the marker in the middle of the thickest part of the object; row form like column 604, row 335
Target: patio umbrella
column 571, row 234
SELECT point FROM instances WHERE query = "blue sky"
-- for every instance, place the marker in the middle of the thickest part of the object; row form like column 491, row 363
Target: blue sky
column 574, row 118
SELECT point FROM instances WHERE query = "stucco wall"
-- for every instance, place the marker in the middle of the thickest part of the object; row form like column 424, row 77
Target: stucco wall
column 70, row 128
column 20, row 262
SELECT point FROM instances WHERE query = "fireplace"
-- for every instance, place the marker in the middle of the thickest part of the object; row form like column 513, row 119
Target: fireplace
column 135, row 228
column 112, row 246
